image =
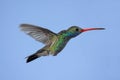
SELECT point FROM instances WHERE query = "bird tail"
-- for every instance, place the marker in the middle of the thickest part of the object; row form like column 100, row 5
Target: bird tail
column 36, row 55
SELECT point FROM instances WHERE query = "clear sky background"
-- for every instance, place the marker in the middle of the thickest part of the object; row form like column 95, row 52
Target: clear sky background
column 93, row 55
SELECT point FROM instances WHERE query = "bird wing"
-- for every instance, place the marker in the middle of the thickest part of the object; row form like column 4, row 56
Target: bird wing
column 38, row 33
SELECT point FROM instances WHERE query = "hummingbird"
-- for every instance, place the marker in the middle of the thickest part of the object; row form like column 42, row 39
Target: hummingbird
column 54, row 42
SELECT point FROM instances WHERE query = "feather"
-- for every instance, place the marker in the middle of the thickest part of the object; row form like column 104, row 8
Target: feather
column 38, row 33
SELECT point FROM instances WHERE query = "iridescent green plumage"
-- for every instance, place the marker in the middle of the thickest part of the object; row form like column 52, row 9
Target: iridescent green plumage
column 54, row 43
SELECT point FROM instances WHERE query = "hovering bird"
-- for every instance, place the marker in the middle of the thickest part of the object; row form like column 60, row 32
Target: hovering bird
column 54, row 42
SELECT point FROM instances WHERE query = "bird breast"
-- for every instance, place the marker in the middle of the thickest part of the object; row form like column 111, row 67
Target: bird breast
column 58, row 43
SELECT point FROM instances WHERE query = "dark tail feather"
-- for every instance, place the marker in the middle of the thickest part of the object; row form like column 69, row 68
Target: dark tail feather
column 39, row 53
column 31, row 57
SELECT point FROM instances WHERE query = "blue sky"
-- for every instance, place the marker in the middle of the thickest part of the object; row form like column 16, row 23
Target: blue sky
column 92, row 55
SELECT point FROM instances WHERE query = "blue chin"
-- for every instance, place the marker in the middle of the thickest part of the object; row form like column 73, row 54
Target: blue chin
column 74, row 34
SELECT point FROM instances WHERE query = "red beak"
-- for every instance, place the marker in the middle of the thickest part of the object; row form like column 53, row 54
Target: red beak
column 88, row 29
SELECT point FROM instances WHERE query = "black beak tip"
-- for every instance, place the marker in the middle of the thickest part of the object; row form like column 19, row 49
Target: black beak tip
column 102, row 28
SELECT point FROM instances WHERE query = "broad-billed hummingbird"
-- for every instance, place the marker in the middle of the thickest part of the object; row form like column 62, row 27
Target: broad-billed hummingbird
column 54, row 42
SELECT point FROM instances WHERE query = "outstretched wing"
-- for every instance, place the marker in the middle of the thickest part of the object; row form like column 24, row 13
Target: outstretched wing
column 38, row 33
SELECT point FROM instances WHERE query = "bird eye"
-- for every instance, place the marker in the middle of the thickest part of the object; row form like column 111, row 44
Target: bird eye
column 77, row 29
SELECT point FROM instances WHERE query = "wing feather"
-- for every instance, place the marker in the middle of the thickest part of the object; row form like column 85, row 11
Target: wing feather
column 38, row 33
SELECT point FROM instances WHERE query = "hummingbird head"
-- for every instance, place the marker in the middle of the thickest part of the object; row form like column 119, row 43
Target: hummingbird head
column 73, row 31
